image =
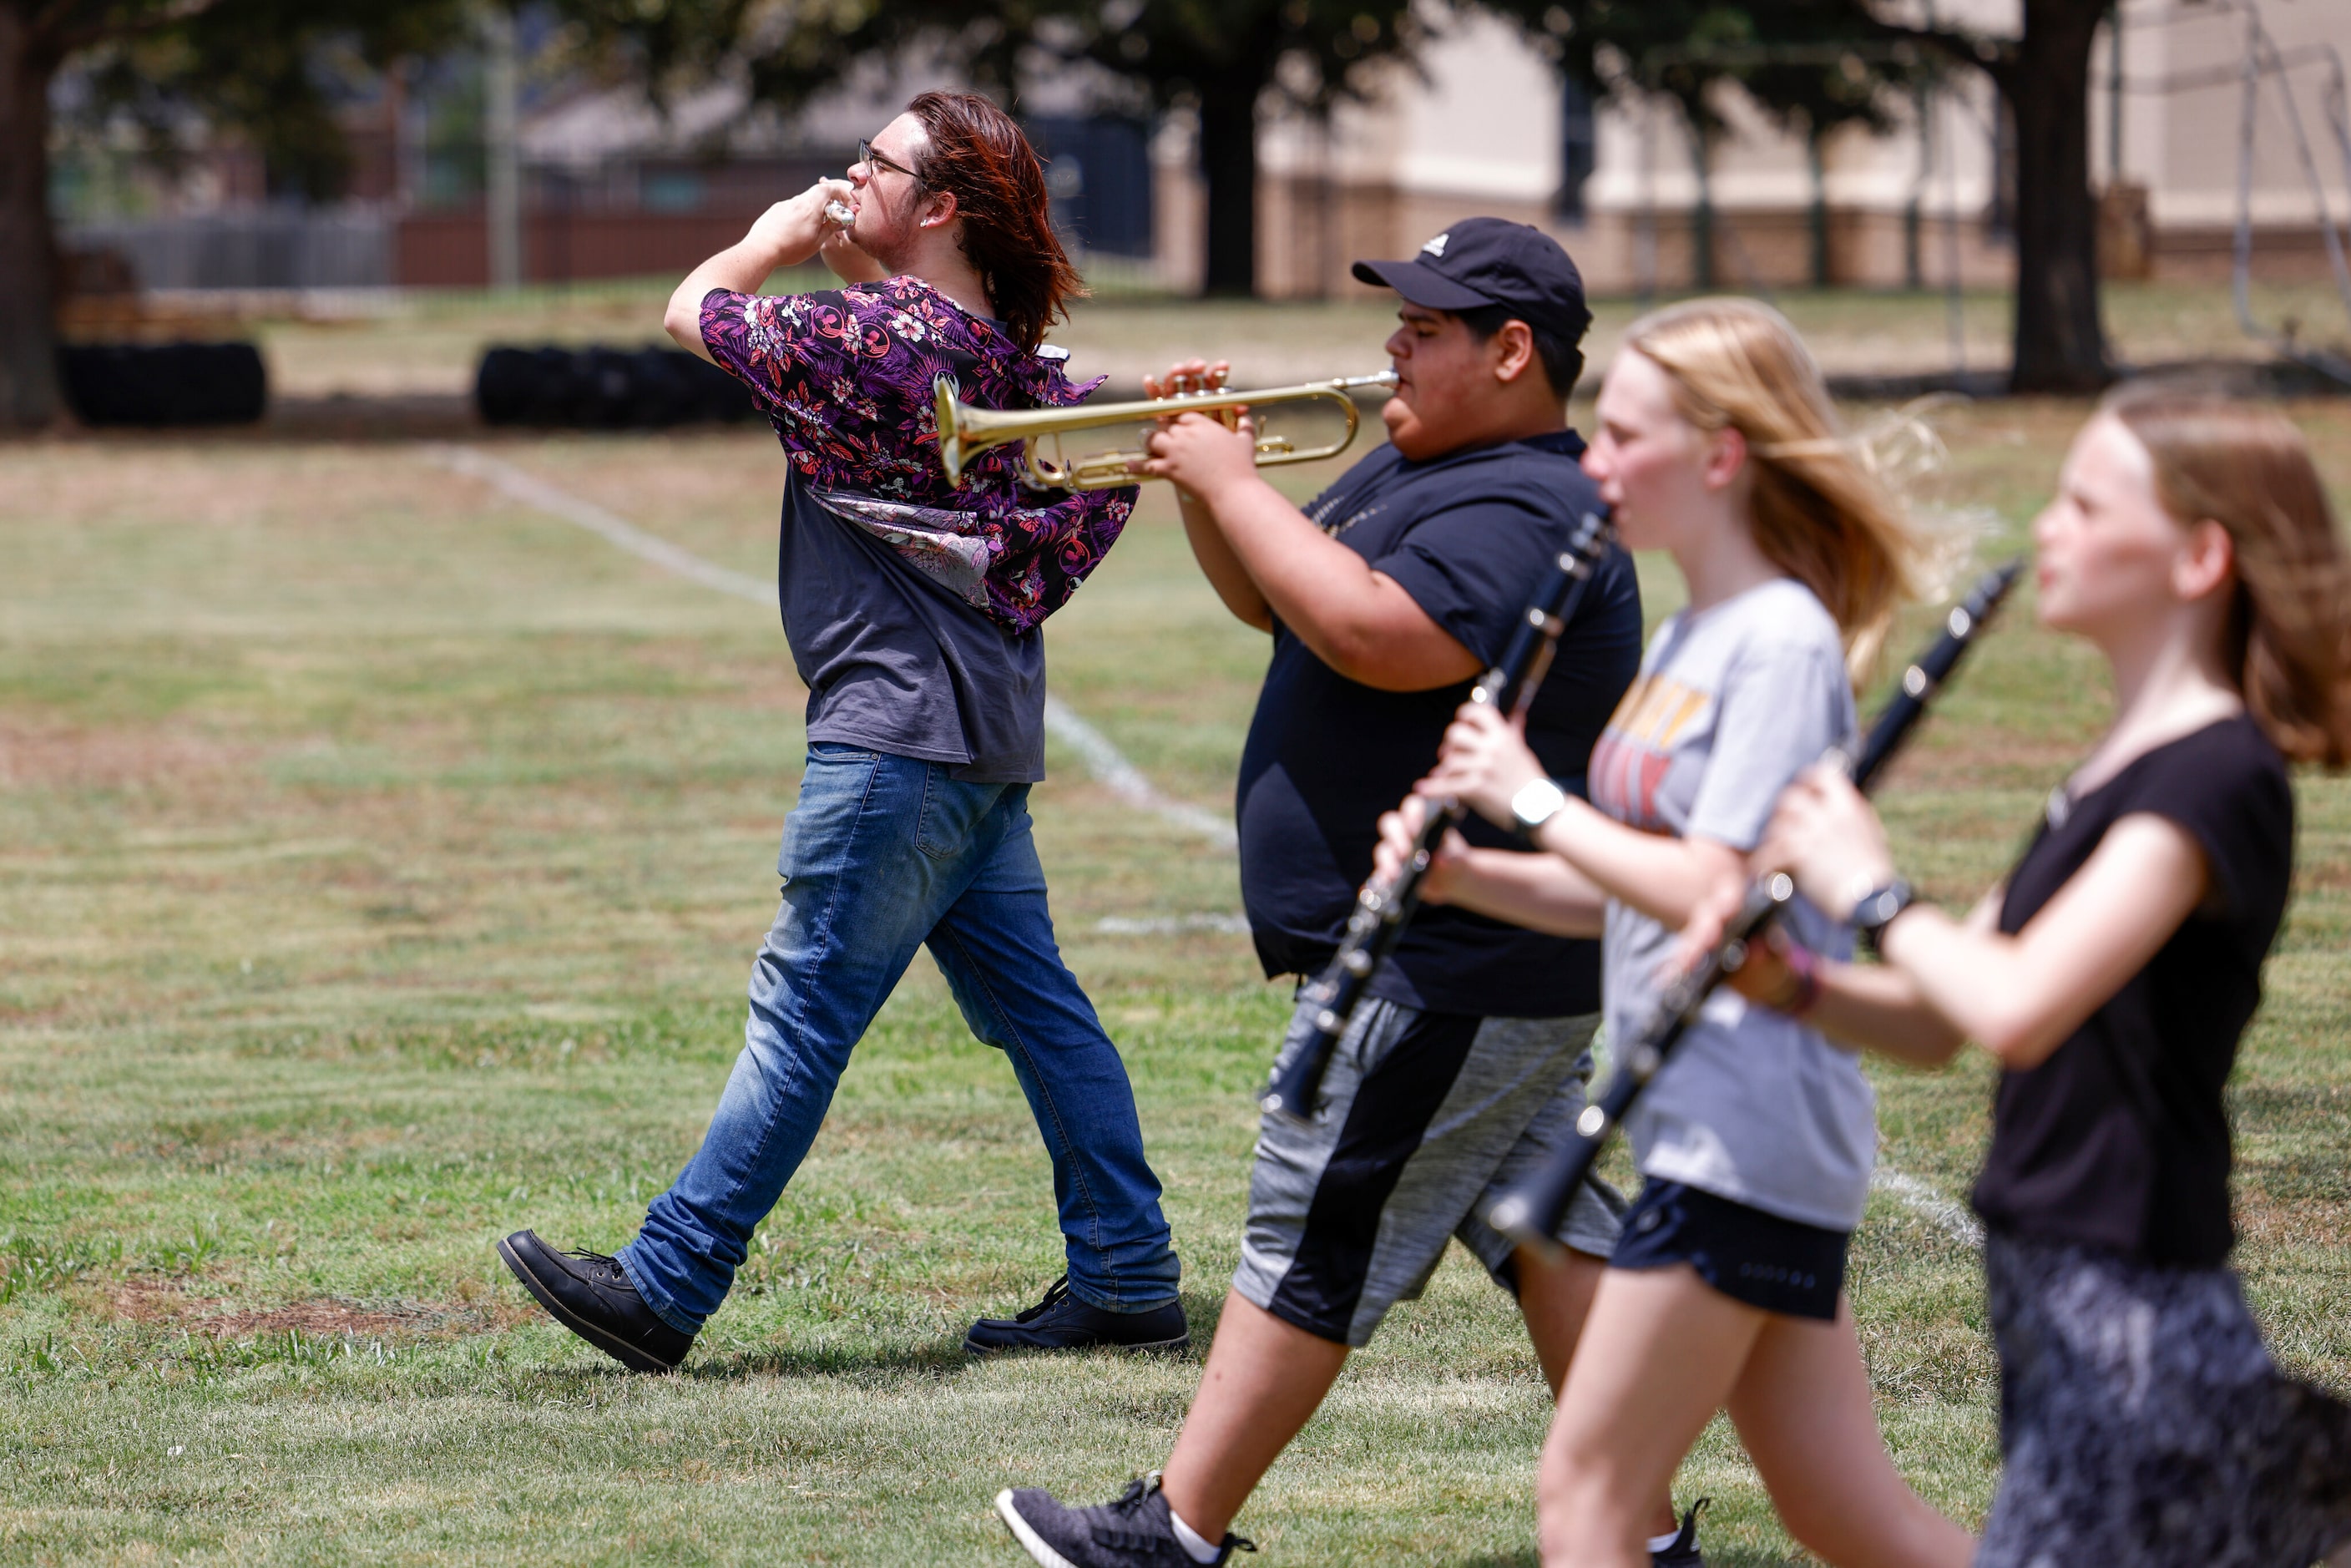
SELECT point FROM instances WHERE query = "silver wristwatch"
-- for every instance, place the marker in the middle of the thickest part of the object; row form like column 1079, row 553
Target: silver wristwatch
column 1535, row 804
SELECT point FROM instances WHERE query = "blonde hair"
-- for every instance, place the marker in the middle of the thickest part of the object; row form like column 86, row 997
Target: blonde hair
column 2289, row 635
column 1820, row 512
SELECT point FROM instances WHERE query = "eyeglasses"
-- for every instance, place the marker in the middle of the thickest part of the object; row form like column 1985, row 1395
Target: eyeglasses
column 876, row 159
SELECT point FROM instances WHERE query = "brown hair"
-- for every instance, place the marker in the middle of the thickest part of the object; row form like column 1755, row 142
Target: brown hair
column 2248, row 469
column 979, row 154
column 1819, row 513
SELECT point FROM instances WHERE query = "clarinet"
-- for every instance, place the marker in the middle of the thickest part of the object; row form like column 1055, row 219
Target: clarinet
column 1531, row 1211
column 1383, row 909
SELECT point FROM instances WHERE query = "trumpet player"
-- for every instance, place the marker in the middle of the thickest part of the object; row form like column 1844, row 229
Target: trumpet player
column 1386, row 597
column 911, row 607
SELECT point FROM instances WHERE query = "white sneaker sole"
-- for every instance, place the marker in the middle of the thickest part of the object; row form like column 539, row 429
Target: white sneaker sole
column 1030, row 1541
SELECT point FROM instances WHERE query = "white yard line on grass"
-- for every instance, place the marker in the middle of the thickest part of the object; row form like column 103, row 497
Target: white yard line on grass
column 533, row 491
column 1123, row 779
column 1171, row 924
column 1924, row 1201
column 1108, row 765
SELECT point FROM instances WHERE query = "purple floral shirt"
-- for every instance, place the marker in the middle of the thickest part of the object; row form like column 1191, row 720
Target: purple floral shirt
column 845, row 377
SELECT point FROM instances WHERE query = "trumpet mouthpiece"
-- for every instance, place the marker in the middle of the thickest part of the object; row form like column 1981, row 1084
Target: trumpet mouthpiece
column 839, row 212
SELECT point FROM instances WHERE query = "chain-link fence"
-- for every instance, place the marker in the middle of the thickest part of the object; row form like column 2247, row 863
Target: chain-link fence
column 268, row 247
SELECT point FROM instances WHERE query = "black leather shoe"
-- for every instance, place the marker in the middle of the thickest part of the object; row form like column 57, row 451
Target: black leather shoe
column 1061, row 1321
column 588, row 1294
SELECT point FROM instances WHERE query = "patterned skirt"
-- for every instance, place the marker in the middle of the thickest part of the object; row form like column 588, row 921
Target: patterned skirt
column 2143, row 1424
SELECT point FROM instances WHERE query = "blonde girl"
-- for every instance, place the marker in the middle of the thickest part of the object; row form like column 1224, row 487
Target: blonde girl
column 1716, row 442
column 2111, row 974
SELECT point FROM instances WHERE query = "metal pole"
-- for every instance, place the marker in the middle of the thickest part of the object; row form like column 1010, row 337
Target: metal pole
column 1818, row 218
column 1931, row 149
column 1702, row 215
column 2240, row 269
column 1954, row 306
column 1646, row 242
column 500, row 89
column 2115, row 96
column 1914, row 268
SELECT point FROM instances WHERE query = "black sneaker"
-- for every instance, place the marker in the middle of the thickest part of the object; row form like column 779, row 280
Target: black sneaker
column 588, row 1294
column 1061, row 1321
column 1135, row 1531
column 1683, row 1552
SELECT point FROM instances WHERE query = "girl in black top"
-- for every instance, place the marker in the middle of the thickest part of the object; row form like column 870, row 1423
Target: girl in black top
column 2142, row 1421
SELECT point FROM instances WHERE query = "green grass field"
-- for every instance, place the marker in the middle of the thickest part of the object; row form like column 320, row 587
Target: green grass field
column 380, row 863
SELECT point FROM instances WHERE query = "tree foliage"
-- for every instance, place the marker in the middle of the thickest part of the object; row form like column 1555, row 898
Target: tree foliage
column 273, row 70
column 1222, row 59
column 270, row 72
column 1815, row 65
column 1818, row 64
column 264, row 68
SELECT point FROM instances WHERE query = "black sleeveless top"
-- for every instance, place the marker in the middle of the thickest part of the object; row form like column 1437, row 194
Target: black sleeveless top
column 2120, row 1140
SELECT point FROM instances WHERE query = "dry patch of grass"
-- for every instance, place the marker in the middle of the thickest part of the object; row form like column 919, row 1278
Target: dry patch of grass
column 171, row 1305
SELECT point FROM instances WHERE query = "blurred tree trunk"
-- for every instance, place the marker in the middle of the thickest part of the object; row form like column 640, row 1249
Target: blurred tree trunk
column 29, row 261
column 1228, row 167
column 2060, row 346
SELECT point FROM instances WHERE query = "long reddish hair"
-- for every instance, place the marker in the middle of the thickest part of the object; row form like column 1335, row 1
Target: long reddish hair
column 2248, row 468
column 979, row 155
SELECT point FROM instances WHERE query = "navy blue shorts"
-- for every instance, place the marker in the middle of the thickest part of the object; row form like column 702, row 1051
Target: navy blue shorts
column 1762, row 1259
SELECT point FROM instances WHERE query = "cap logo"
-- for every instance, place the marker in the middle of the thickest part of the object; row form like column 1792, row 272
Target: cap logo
column 1436, row 247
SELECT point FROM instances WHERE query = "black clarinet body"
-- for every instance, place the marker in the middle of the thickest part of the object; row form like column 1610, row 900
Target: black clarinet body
column 1383, row 909
column 1531, row 1211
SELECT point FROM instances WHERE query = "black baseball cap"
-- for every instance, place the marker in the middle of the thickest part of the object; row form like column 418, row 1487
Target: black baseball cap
column 1491, row 261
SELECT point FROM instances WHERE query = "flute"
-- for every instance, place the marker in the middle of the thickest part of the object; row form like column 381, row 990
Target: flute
column 1383, row 909
column 1533, row 1210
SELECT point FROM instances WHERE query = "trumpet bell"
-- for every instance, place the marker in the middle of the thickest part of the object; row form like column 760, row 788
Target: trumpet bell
column 965, row 432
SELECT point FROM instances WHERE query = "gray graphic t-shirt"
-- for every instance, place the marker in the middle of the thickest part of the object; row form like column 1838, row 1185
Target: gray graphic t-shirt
column 1732, row 704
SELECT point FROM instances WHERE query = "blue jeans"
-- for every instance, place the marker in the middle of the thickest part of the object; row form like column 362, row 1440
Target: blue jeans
column 883, row 854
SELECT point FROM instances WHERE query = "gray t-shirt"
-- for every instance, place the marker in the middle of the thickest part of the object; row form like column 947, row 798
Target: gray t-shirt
column 894, row 663
column 1732, row 704
column 911, row 602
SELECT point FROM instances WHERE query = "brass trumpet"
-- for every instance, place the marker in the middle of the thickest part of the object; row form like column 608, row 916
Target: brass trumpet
column 965, row 432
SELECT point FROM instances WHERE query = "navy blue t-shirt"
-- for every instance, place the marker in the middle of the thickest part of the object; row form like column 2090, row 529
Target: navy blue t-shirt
column 1470, row 537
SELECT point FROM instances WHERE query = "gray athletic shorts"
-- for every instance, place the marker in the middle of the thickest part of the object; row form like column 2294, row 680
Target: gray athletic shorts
column 1424, row 1119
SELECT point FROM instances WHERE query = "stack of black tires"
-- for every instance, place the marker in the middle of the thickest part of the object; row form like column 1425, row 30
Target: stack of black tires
column 607, row 389
column 164, row 383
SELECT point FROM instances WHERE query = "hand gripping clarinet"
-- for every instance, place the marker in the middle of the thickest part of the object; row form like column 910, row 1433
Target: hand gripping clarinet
column 1533, row 1210
column 1384, row 909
